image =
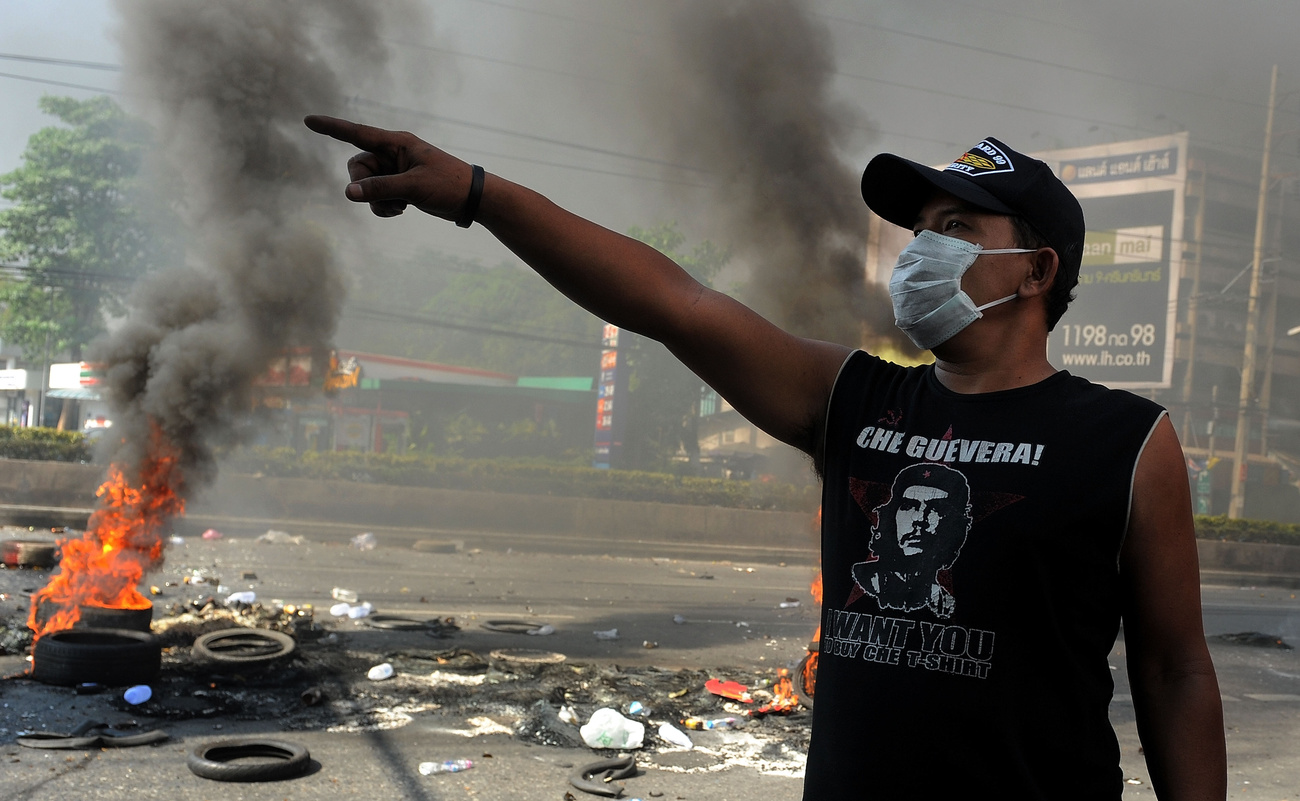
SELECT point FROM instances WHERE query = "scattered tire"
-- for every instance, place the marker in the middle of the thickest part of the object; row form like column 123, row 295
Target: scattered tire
column 527, row 656
column 511, row 626
column 113, row 657
column 395, row 623
column 245, row 647
column 801, row 680
column 274, row 760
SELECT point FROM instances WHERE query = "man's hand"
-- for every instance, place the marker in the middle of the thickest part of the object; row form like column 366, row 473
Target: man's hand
column 397, row 168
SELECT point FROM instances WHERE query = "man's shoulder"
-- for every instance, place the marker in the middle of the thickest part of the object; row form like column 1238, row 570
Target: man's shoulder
column 1081, row 393
column 869, row 367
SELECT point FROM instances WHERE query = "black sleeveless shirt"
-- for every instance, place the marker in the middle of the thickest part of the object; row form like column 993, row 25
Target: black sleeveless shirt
column 970, row 548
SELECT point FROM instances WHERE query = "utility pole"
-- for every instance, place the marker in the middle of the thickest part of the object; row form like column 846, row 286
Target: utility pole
column 1237, row 505
column 1193, row 305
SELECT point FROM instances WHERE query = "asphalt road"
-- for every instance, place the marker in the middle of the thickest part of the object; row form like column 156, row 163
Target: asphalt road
column 731, row 613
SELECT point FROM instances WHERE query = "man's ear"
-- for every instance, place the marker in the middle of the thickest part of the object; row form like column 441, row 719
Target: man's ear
column 1040, row 278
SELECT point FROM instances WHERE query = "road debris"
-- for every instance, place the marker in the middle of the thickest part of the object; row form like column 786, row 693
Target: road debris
column 446, row 766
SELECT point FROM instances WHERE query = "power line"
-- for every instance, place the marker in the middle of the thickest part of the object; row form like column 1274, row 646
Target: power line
column 1039, row 62
column 358, row 101
column 386, row 315
column 28, row 272
column 63, row 62
column 64, row 84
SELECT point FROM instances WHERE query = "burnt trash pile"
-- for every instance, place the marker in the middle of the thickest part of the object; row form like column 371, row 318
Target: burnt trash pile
column 286, row 666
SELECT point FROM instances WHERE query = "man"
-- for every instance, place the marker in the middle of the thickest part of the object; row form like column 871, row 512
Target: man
column 917, row 537
column 1080, row 508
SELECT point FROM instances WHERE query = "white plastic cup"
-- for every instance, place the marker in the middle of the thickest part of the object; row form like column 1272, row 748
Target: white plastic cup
column 670, row 733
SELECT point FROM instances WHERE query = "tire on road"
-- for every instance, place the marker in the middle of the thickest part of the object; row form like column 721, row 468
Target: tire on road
column 113, row 657
column 245, row 647
column 800, row 681
column 395, row 623
column 277, row 759
column 511, row 626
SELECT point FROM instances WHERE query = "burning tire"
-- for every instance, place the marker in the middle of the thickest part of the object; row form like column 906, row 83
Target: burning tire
column 90, row 616
column 805, row 677
column 275, row 759
column 114, row 657
column 244, row 647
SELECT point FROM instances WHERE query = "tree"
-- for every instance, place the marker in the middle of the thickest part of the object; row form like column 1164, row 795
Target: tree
column 534, row 320
column 664, row 396
column 77, row 232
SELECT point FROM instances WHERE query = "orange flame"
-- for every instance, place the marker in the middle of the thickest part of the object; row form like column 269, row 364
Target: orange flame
column 124, row 540
column 783, row 696
column 809, row 677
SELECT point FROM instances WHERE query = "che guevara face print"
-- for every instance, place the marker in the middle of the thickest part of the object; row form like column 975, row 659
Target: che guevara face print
column 916, row 538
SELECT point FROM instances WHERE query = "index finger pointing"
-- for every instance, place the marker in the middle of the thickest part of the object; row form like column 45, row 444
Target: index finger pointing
column 365, row 137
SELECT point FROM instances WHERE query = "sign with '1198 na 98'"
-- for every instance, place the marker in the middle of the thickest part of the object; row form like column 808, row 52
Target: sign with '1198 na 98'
column 1119, row 331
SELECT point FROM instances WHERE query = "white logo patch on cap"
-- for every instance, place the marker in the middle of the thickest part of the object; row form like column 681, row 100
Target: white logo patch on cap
column 985, row 158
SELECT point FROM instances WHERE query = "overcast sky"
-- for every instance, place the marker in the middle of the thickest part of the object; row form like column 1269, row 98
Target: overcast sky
column 547, row 91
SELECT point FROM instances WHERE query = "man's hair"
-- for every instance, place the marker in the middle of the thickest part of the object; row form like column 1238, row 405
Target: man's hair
column 1061, row 292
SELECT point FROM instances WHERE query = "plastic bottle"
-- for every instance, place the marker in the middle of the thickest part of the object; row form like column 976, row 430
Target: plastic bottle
column 717, row 723
column 380, row 672
column 138, row 694
column 248, row 597
column 347, row 596
column 449, row 766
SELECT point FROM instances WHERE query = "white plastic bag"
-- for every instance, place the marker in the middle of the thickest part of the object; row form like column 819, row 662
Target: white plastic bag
column 608, row 729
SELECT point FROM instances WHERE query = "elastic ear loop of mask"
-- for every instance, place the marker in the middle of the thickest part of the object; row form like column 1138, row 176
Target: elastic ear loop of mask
column 1008, row 298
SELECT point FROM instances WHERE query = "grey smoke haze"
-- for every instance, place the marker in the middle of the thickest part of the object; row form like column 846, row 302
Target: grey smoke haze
column 745, row 91
column 225, row 83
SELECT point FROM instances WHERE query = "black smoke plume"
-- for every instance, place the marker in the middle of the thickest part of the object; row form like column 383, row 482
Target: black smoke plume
column 225, row 84
column 745, row 91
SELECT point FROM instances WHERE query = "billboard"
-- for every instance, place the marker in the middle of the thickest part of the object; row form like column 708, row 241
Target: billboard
column 611, row 417
column 1120, row 328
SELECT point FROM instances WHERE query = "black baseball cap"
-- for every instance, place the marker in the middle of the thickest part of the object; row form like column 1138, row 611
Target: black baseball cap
column 989, row 176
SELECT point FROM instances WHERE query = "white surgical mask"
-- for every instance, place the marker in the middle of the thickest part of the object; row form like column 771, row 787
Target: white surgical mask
column 929, row 304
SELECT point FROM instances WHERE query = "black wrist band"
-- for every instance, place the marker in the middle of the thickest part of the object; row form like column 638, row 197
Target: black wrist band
column 466, row 217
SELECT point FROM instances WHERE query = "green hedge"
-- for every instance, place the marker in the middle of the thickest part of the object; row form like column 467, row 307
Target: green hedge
column 528, row 478
column 1222, row 528
column 44, row 444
